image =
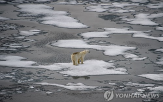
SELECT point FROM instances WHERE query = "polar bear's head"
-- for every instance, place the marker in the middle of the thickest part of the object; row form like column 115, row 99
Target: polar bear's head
column 86, row 51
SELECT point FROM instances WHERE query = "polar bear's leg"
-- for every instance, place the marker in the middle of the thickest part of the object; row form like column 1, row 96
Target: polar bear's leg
column 79, row 60
column 82, row 60
column 73, row 62
column 76, row 62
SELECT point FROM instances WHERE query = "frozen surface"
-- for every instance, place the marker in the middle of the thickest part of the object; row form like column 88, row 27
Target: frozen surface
column 112, row 50
column 159, row 28
column 30, row 32
column 122, row 5
column 46, row 15
column 161, row 50
column 140, row 1
column 141, row 34
column 90, row 67
column 94, row 34
column 158, row 5
column 116, row 5
column 3, row 18
column 93, row 67
column 120, row 10
column 139, row 84
column 160, row 61
column 71, row 86
column 157, row 77
column 98, row 8
column 158, row 88
column 143, row 19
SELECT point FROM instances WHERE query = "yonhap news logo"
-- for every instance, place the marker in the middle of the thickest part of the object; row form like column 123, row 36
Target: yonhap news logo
column 109, row 95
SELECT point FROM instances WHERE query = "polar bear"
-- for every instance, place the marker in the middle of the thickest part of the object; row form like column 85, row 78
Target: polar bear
column 78, row 56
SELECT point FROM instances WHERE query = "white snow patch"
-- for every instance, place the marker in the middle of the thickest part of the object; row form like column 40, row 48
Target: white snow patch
column 49, row 16
column 134, row 57
column 70, row 2
column 14, row 45
column 3, row 18
column 160, row 61
column 108, row 31
column 139, row 84
column 158, row 88
column 98, row 8
column 122, row 5
column 161, row 50
column 93, row 67
column 120, row 10
column 106, row 7
column 143, row 19
column 140, row 1
column 42, row 1
column 70, row 86
column 94, row 34
column 111, row 50
column 158, row 77
column 159, row 28
column 90, row 67
column 158, row 5
column 30, row 32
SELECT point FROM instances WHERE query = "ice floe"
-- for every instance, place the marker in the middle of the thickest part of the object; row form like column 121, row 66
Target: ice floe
column 70, row 86
column 143, row 19
column 157, row 89
column 42, row 1
column 140, row 1
column 139, row 84
column 93, row 67
column 134, row 57
column 29, row 33
column 108, row 31
column 157, row 77
column 160, row 61
column 120, row 10
column 122, row 5
column 111, row 50
column 107, row 7
column 46, row 15
column 70, row 2
column 158, row 5
column 159, row 28
column 90, row 67
column 3, row 18
column 161, row 50
column 96, row 8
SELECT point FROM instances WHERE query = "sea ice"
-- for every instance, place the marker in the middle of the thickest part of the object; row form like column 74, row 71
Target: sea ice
column 108, row 31
column 70, row 86
column 158, row 88
column 90, row 67
column 159, row 28
column 157, row 77
column 3, row 18
column 120, row 10
column 98, row 8
column 158, row 5
column 140, row 1
column 143, row 19
column 139, row 84
column 161, row 50
column 160, row 61
column 112, row 50
column 30, row 32
column 93, row 67
column 46, row 15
